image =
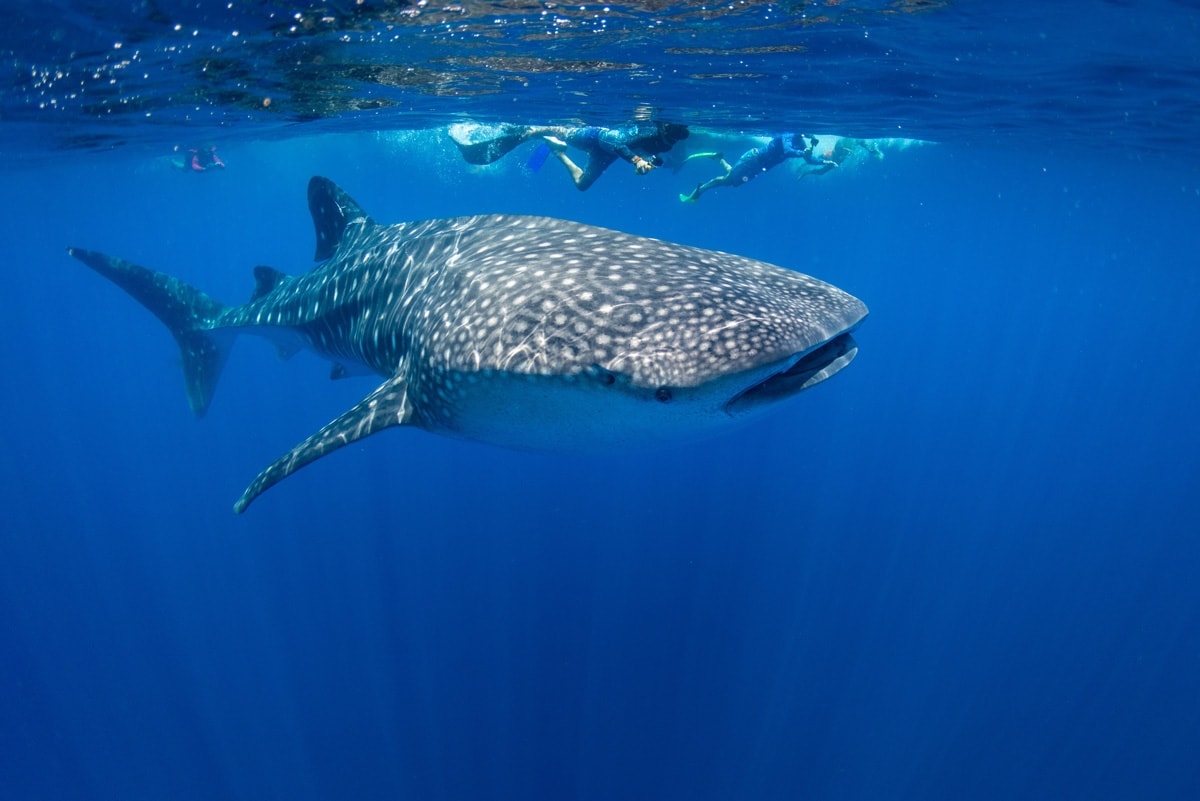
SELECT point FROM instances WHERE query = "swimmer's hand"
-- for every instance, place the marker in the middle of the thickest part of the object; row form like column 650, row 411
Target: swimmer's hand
column 641, row 165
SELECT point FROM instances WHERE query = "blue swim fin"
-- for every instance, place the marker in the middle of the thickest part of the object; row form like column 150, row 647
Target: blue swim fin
column 538, row 158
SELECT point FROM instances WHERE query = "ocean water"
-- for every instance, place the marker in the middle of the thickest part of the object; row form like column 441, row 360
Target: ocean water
column 963, row 568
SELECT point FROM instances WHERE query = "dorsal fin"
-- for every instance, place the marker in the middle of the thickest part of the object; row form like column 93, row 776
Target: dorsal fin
column 332, row 210
column 265, row 281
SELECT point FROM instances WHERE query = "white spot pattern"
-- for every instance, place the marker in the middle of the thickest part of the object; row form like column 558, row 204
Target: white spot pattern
column 541, row 296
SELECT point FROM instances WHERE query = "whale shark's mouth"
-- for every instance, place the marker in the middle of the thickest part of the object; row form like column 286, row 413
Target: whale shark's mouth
column 809, row 370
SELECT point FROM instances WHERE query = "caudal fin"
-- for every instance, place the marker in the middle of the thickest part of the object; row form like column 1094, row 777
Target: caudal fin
column 187, row 311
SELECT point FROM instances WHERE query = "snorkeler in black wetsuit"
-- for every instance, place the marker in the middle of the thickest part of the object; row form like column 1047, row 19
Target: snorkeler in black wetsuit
column 639, row 143
column 755, row 161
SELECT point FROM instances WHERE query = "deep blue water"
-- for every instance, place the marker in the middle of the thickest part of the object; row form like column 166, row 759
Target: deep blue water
column 963, row 568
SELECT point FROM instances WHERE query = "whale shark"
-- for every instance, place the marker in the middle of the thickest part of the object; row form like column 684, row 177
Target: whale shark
column 527, row 332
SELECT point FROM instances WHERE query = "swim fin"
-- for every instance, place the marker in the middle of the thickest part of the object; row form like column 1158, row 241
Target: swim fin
column 483, row 144
column 538, row 158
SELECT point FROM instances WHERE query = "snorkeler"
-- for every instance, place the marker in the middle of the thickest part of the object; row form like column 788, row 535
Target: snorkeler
column 200, row 159
column 605, row 145
column 843, row 150
column 846, row 147
column 758, row 160
column 639, row 143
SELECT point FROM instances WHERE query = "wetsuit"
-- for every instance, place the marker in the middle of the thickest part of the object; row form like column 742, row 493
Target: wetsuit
column 606, row 145
column 758, row 160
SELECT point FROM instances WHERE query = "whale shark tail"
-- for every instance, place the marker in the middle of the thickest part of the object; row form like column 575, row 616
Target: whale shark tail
column 191, row 315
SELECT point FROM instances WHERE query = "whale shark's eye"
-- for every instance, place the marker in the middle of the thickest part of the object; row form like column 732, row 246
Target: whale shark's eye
column 663, row 394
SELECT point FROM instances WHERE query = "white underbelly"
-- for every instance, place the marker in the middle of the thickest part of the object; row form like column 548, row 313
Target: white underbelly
column 576, row 414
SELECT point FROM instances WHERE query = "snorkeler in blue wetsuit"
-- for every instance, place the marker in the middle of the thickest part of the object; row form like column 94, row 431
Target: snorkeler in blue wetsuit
column 606, row 145
column 639, row 143
column 758, row 160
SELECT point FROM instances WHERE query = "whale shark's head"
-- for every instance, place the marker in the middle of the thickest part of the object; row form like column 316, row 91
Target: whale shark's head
column 553, row 335
column 745, row 379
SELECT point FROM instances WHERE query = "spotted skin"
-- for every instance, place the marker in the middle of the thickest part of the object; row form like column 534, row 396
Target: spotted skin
column 530, row 332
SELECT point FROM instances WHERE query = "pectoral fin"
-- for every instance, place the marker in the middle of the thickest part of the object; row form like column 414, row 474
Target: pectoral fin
column 387, row 406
